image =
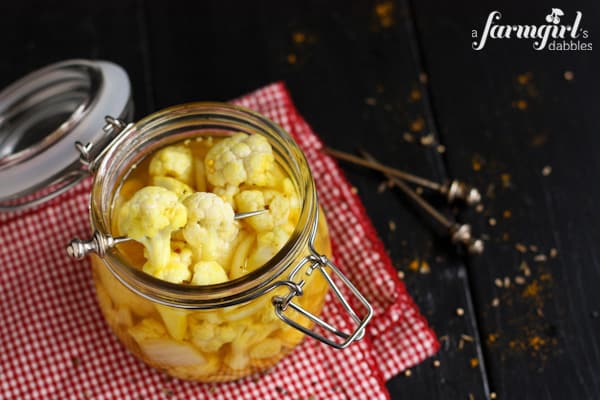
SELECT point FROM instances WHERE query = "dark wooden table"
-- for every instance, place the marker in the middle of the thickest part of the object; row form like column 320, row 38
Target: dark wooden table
column 518, row 123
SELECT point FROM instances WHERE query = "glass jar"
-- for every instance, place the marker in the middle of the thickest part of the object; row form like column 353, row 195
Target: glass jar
column 225, row 331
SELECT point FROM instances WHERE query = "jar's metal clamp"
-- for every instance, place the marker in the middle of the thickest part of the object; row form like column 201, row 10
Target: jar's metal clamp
column 317, row 261
column 91, row 153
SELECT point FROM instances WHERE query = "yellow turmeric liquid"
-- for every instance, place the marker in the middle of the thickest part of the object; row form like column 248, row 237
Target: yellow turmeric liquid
column 204, row 345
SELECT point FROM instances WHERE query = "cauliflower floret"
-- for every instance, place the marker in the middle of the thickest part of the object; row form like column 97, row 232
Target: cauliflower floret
column 211, row 228
column 174, row 161
column 227, row 193
column 147, row 329
column 277, row 204
column 177, row 269
column 209, row 337
column 208, row 273
column 179, row 188
column 240, row 159
column 149, row 217
column 267, row 245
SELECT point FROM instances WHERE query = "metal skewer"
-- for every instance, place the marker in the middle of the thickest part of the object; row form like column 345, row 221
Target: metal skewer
column 100, row 243
column 453, row 190
column 459, row 233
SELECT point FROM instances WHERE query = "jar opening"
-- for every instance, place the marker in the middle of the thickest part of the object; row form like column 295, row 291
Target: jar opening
column 42, row 108
column 177, row 124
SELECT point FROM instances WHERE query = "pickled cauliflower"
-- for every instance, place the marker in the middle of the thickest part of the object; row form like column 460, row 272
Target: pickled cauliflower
column 180, row 205
column 149, row 217
column 211, row 228
column 240, row 159
column 173, row 161
column 209, row 273
column 177, row 269
column 275, row 202
column 179, row 188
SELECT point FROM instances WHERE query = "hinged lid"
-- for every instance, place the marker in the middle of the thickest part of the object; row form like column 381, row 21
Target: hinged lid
column 43, row 115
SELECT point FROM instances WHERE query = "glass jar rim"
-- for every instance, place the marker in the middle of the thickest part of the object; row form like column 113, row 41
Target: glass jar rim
column 119, row 157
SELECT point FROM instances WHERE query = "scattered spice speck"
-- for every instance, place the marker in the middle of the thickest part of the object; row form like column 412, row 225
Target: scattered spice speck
column 427, row 140
column 532, row 290
column 371, row 101
column 540, row 258
column 493, row 395
column 521, row 248
column 354, row 190
column 408, row 137
column 467, row 338
column 505, row 178
column 441, row 148
column 420, row 266
column 423, row 78
column 414, row 265
column 381, row 187
column 506, row 282
column 474, row 362
column 460, row 312
column 524, row 78
column 479, row 208
column 291, row 58
column 492, row 221
column 476, row 162
column 492, row 337
column 385, row 13
column 498, row 282
column 536, row 342
column 569, row 75
column 525, row 268
column 547, row 170
column 400, row 274
column 408, row 372
column 507, row 214
column 281, row 390
column 520, row 104
column 538, row 140
column 519, row 280
column 495, row 302
column 392, row 226
column 533, row 248
column 436, row 363
column 417, row 125
column 553, row 253
column 419, row 190
column 299, row 37
column 415, row 95
column 471, row 396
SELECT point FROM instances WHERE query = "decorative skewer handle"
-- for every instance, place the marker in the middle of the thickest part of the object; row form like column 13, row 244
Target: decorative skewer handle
column 100, row 243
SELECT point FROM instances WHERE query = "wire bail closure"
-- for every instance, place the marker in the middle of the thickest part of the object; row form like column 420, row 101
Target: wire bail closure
column 91, row 153
column 320, row 262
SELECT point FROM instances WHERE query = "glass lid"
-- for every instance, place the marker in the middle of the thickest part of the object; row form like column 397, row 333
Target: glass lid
column 43, row 115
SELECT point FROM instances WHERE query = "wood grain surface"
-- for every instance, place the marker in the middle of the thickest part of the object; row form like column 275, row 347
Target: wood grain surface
column 400, row 79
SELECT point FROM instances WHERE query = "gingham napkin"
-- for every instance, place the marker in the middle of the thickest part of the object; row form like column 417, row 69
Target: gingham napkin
column 54, row 343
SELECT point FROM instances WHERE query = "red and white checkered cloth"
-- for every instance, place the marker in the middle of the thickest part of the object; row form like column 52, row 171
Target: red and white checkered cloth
column 54, row 343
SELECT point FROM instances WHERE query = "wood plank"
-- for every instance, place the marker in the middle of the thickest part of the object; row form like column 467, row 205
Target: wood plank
column 512, row 110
